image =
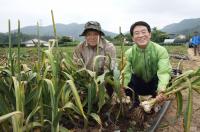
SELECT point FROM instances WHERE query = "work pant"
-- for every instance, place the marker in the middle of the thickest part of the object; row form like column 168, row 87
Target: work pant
column 196, row 50
column 140, row 87
column 109, row 89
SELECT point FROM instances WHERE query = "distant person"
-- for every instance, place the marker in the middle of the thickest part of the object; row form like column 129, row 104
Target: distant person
column 93, row 45
column 148, row 69
column 196, row 43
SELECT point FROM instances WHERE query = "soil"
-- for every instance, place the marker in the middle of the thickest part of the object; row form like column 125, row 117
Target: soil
column 169, row 123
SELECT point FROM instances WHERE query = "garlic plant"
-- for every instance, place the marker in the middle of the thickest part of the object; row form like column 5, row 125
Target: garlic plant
column 148, row 105
column 188, row 80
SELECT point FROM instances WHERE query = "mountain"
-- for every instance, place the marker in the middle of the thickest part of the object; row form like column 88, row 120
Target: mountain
column 72, row 29
column 186, row 26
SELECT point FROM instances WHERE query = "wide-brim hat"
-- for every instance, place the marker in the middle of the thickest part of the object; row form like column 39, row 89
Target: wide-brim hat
column 94, row 26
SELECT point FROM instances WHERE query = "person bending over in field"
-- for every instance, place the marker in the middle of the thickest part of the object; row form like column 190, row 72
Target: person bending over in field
column 148, row 70
column 93, row 45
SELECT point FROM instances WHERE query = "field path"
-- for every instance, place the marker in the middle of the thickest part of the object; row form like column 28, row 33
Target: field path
column 194, row 58
column 169, row 123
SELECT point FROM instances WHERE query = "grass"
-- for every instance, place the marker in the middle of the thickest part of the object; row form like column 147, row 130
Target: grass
column 31, row 51
column 29, row 54
column 182, row 49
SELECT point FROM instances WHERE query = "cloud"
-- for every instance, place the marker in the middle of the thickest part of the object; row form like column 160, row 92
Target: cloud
column 110, row 13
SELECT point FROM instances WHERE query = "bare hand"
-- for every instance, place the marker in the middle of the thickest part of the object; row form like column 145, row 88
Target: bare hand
column 122, row 91
column 161, row 97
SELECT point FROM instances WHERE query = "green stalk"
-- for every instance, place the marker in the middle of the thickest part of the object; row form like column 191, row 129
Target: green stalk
column 56, row 58
column 53, row 86
column 181, row 79
column 196, row 88
column 54, row 29
column 97, row 53
column 10, row 49
column 38, row 44
column 175, row 90
column 6, row 116
column 179, row 100
column 54, row 62
column 188, row 113
column 20, row 101
column 121, row 71
column 54, row 106
column 18, row 48
column 9, row 41
column 78, row 101
column 122, row 56
column 89, row 99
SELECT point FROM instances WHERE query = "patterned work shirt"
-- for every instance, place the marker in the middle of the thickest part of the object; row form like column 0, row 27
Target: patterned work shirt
column 84, row 55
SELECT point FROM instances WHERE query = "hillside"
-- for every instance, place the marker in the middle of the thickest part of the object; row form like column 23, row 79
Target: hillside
column 72, row 29
column 186, row 26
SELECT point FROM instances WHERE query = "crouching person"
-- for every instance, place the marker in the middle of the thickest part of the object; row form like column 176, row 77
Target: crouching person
column 148, row 69
column 94, row 44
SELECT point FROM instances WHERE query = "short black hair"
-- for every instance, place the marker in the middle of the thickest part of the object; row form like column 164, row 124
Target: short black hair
column 139, row 23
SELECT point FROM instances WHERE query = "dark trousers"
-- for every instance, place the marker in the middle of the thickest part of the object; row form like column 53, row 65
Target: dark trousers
column 109, row 89
column 196, row 50
column 140, row 87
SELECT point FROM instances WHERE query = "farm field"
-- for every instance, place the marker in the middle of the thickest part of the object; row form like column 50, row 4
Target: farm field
column 30, row 54
column 168, row 123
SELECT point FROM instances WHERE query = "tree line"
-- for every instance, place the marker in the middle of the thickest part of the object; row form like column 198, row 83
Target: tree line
column 4, row 38
column 157, row 36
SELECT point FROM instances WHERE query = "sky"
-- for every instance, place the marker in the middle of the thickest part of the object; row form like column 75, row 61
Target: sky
column 109, row 13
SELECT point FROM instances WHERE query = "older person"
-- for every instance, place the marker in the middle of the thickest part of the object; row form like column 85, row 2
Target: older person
column 94, row 45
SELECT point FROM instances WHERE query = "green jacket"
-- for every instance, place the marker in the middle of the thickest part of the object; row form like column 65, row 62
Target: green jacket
column 148, row 62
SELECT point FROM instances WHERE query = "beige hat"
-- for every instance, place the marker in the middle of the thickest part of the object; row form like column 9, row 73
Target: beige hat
column 92, row 25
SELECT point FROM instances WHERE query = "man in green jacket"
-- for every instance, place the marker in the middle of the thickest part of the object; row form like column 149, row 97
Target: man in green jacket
column 148, row 69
